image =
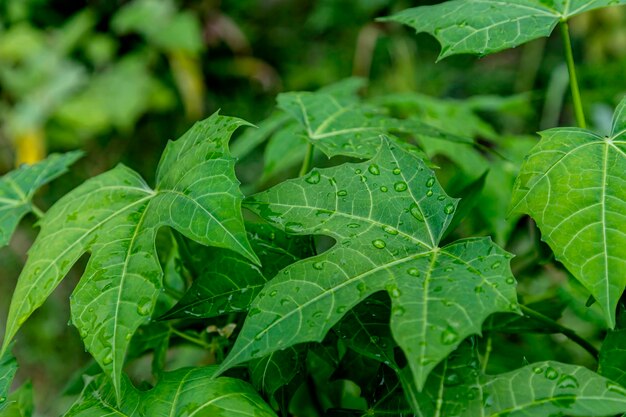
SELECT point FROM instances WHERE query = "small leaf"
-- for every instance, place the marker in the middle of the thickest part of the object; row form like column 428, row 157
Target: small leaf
column 18, row 187
column 483, row 27
column 8, row 368
column 115, row 216
column 387, row 216
column 573, row 184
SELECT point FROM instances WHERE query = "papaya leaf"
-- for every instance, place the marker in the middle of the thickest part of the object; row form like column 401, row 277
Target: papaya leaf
column 573, row 184
column 272, row 372
column 228, row 282
column 482, row 27
column 187, row 391
column 612, row 362
column 340, row 125
column 8, row 368
column 387, row 216
column 458, row 388
column 115, row 217
column 18, row 187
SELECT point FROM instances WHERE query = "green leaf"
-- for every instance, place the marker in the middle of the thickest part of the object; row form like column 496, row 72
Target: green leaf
column 339, row 125
column 228, row 282
column 8, row 368
column 573, row 184
column 187, row 391
column 612, row 362
column 19, row 403
column 458, row 388
column 483, row 27
column 272, row 372
column 115, row 217
column 387, row 216
column 18, row 187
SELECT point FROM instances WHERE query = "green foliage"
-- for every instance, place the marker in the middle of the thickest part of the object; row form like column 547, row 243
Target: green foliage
column 367, row 283
column 572, row 184
column 483, row 27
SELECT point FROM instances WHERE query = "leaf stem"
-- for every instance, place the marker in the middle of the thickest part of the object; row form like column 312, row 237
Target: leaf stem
column 191, row 339
column 37, row 211
column 572, row 335
column 573, row 82
column 488, row 349
column 308, row 159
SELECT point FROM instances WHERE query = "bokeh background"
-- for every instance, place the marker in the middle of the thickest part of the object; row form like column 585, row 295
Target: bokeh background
column 119, row 78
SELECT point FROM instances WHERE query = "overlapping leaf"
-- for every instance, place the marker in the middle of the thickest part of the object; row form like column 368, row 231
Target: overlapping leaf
column 486, row 26
column 387, row 216
column 18, row 187
column 458, row 388
column 573, row 184
column 8, row 368
column 115, row 216
column 228, row 282
column 339, row 125
column 188, row 391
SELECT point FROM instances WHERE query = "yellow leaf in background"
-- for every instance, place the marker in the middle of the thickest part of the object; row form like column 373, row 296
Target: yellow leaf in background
column 30, row 146
column 189, row 81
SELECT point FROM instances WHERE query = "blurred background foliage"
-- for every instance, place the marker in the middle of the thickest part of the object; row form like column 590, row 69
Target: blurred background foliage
column 119, row 78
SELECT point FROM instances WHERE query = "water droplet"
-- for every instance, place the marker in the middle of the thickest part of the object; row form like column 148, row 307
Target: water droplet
column 361, row 287
column 108, row 359
column 396, row 171
column 341, row 309
column 551, row 373
column 510, row 280
column 374, row 169
column 342, row 193
column 384, row 189
column 479, row 289
column 293, row 227
column 568, row 381
column 496, row 264
column 273, row 293
column 441, row 197
column 449, row 336
column 416, row 212
column 144, row 306
column 400, row 186
column 429, row 193
column 449, row 208
column 537, row 370
column 430, row 182
column 357, row 171
column 318, row 314
column 318, row 265
column 414, row 272
column 452, row 379
column 259, row 336
column 284, row 301
column 390, row 230
column 398, row 311
column 394, row 291
column 313, row 178
column 379, row 244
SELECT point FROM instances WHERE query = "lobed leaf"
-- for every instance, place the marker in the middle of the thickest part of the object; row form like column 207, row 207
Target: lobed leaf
column 115, row 217
column 483, row 27
column 387, row 216
column 187, row 391
column 18, row 187
column 573, row 183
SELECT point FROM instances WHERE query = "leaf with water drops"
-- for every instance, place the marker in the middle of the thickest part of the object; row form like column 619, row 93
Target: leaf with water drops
column 387, row 216
column 228, row 282
column 18, row 187
column 115, row 217
column 573, row 184
column 339, row 125
column 184, row 392
column 482, row 27
column 8, row 368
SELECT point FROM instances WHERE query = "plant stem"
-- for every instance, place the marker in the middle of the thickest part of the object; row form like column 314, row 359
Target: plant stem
column 308, row 159
column 572, row 335
column 191, row 339
column 37, row 211
column 488, row 349
column 573, row 82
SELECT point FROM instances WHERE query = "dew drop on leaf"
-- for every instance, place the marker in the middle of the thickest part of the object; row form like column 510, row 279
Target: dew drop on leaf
column 551, row 373
column 495, row 265
column 318, row 265
column 273, row 293
column 449, row 336
column 341, row 309
column 144, row 306
column 384, row 189
column 414, row 272
column 430, row 182
column 416, row 212
column 293, row 227
column 254, row 311
column 379, row 244
column 449, row 208
column 313, row 178
column 342, row 193
column 567, row 381
column 429, row 193
column 510, row 280
column 396, row 171
column 400, row 186
column 537, row 370
column 373, row 169
column 398, row 311
column 390, row 230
